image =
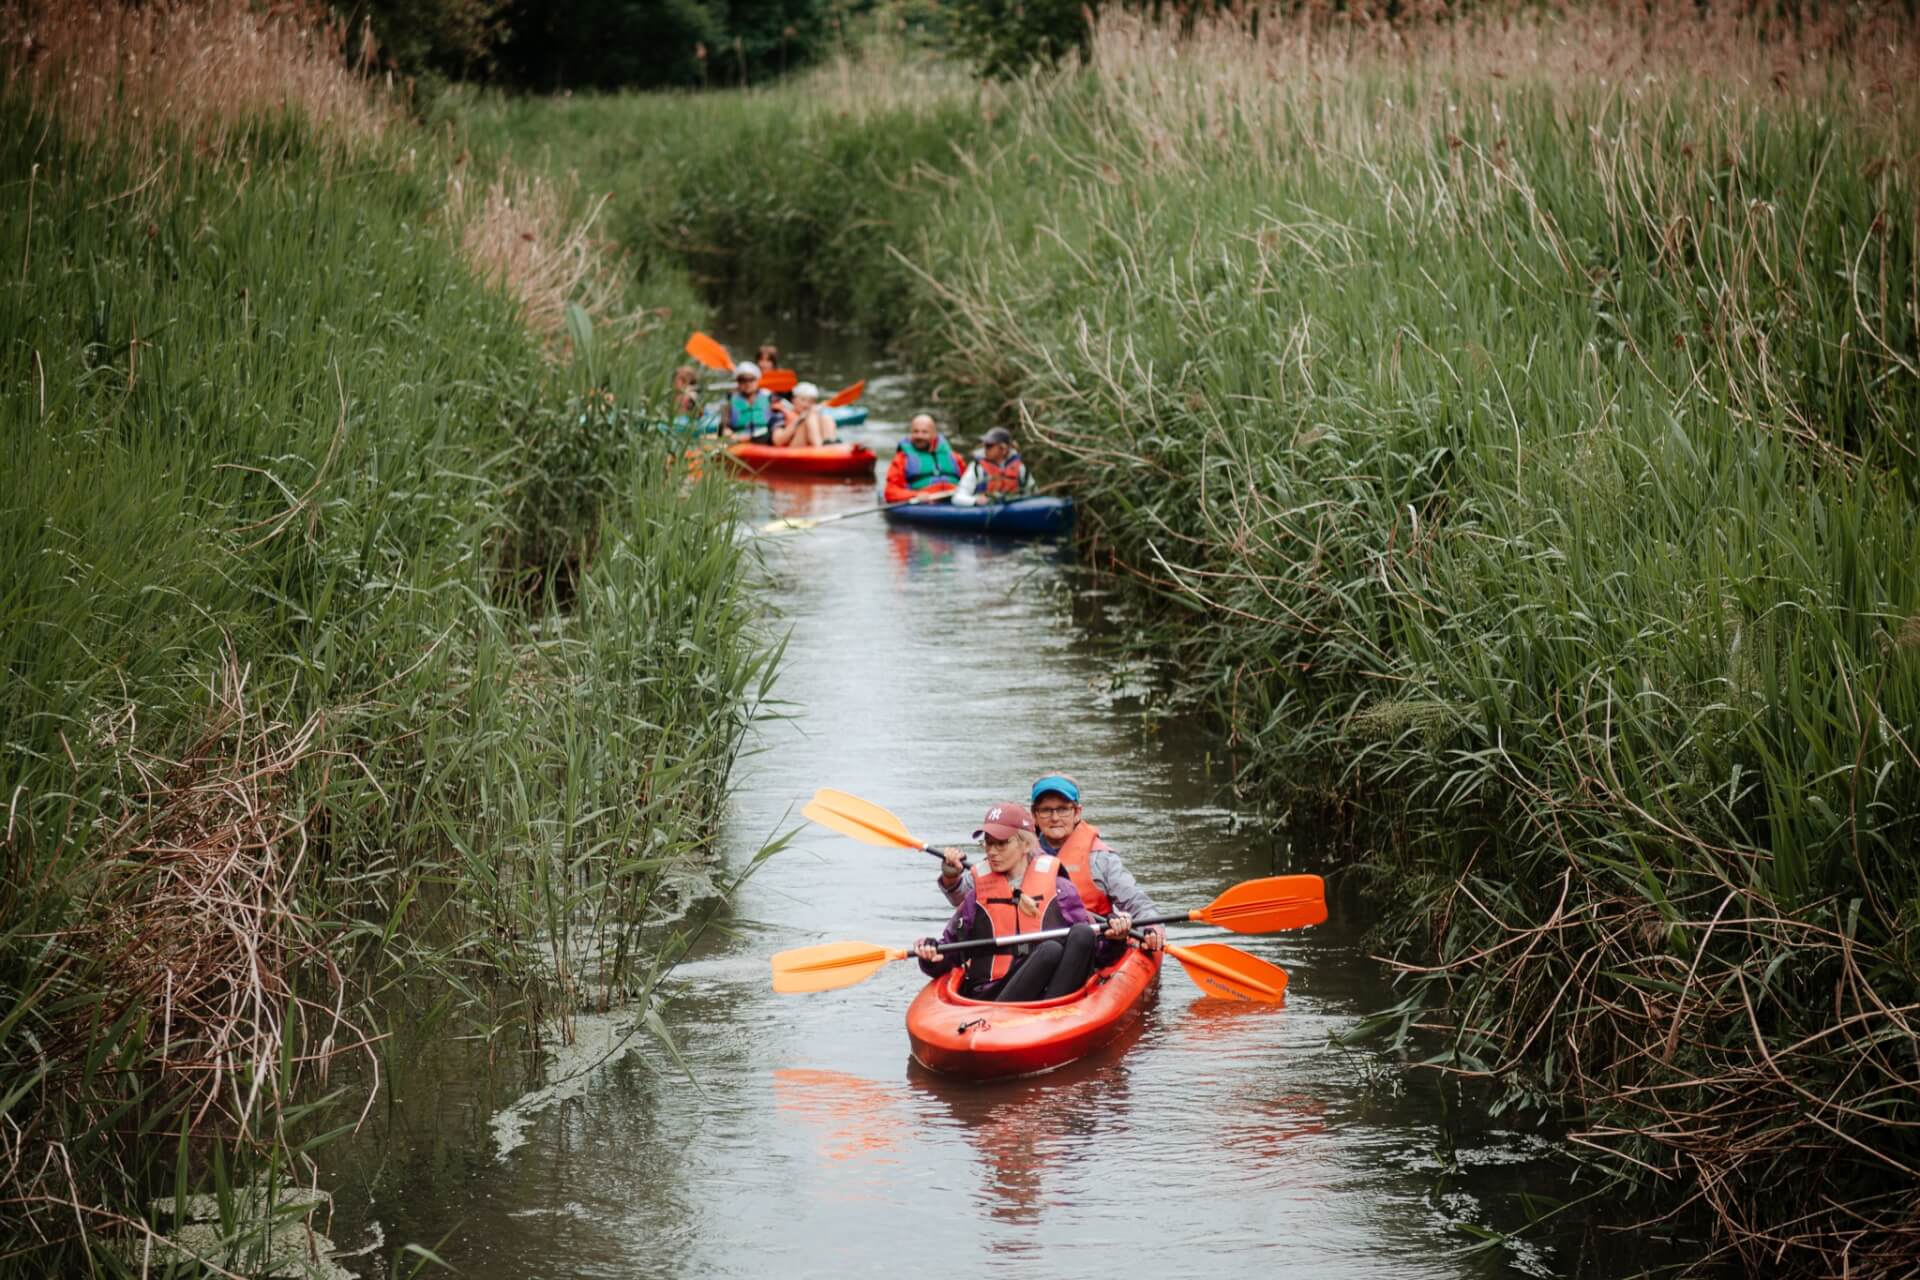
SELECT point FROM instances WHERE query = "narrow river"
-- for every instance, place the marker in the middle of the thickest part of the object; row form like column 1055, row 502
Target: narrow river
column 935, row 676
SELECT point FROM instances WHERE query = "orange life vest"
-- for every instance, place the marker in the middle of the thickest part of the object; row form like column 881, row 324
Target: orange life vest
column 993, row 894
column 1003, row 477
column 1076, row 855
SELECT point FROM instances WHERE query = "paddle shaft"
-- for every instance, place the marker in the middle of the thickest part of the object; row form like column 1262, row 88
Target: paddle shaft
column 872, row 511
column 1044, row 935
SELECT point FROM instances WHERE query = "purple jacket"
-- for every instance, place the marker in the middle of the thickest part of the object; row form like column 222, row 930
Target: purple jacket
column 960, row 926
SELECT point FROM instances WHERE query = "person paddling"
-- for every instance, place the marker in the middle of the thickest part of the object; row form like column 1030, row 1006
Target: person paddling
column 1017, row 889
column 748, row 411
column 806, row 425
column 1098, row 875
column 924, row 465
column 996, row 473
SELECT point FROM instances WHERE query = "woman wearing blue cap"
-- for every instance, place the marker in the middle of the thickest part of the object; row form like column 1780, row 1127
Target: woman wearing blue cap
column 1102, row 880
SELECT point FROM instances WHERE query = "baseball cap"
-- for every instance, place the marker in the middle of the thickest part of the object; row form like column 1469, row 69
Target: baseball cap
column 746, row 369
column 1056, row 782
column 999, row 435
column 808, row 390
column 1003, row 820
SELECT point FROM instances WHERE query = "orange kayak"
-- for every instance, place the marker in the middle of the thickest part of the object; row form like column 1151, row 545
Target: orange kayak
column 822, row 460
column 986, row 1041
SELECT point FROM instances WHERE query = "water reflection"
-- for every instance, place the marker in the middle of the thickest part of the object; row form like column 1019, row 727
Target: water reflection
column 1033, row 1135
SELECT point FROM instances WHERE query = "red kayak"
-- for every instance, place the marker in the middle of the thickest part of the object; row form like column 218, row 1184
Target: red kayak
column 821, row 460
column 985, row 1041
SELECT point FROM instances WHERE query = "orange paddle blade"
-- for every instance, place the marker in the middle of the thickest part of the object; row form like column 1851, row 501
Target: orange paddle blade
column 709, row 353
column 847, row 395
column 864, row 821
column 779, row 380
column 1262, row 906
column 829, row 966
column 1232, row 974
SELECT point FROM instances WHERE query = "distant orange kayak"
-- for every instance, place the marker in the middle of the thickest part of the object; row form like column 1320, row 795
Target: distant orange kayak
column 986, row 1041
column 821, row 460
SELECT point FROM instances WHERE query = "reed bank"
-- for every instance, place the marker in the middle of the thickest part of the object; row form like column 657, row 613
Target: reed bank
column 357, row 632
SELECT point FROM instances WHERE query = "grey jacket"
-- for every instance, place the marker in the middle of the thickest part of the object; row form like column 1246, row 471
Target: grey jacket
column 1108, row 872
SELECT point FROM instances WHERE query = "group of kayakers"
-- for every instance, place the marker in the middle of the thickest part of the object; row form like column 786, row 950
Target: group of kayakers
column 925, row 466
column 751, row 413
column 1046, row 867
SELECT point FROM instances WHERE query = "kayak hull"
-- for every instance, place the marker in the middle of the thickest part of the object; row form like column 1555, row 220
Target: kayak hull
column 978, row 1040
column 847, row 415
column 1022, row 518
column 822, row 460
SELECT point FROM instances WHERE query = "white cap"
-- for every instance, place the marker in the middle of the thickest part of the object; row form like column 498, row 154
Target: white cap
column 746, row 369
column 808, row 390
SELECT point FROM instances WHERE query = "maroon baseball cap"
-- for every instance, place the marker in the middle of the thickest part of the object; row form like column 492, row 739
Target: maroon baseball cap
column 1003, row 820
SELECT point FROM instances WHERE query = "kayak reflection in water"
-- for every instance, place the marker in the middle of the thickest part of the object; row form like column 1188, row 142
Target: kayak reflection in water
column 996, row 474
column 1103, row 882
column 1018, row 889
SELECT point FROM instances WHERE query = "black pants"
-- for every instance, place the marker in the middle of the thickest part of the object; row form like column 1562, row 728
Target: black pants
column 1052, row 969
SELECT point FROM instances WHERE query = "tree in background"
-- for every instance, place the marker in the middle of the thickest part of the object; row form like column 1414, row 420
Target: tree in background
column 549, row 45
column 1006, row 37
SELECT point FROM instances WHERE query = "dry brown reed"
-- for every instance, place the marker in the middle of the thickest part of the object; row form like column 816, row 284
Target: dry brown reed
column 230, row 996
column 1278, row 75
column 518, row 233
column 1669, row 1025
column 134, row 73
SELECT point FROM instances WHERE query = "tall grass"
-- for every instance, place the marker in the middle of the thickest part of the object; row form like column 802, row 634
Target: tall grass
column 1524, row 418
column 356, row 627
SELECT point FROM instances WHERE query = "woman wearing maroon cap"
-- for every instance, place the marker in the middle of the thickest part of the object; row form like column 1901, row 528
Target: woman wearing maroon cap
column 1016, row 890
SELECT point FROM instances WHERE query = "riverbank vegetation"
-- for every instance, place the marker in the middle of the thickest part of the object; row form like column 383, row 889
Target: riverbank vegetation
column 1518, row 422
column 358, row 630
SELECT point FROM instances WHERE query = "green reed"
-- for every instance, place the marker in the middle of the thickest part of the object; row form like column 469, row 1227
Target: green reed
column 1525, row 421
column 349, row 642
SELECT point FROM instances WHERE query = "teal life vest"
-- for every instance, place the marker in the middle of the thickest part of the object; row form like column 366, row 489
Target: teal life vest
column 938, row 466
column 751, row 415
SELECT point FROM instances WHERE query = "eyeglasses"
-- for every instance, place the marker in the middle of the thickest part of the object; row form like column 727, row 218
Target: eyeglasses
column 1053, row 811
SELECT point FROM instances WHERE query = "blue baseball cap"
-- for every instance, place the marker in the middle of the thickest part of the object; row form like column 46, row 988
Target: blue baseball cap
column 1057, row 782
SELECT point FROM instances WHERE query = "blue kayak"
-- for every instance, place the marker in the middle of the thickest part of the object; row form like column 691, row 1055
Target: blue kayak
column 1022, row 518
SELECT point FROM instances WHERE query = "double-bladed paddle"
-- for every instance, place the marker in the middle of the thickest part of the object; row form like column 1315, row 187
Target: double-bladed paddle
column 1217, row 969
column 786, row 523
column 1252, row 906
column 847, row 395
column 709, row 353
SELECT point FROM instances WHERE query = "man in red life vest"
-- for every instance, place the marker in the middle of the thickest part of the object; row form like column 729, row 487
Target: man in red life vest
column 1017, row 889
column 996, row 473
column 924, row 465
column 1101, row 879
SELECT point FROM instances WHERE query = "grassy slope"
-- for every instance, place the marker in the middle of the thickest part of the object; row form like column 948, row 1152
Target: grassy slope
column 279, row 716
column 1536, row 466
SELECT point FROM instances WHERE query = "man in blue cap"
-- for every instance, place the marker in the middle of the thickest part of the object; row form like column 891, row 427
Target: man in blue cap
column 1104, row 883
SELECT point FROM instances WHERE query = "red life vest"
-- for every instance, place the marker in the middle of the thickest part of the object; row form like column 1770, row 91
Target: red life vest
column 993, row 895
column 1003, row 477
column 1076, row 855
